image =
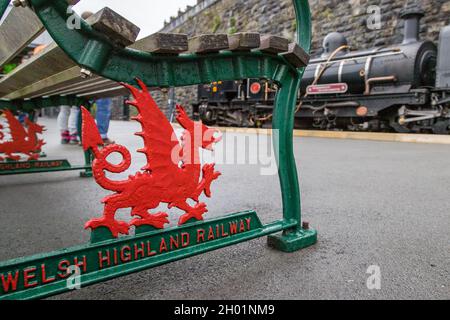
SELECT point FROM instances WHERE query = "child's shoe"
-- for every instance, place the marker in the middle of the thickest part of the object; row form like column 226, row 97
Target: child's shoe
column 73, row 139
column 65, row 137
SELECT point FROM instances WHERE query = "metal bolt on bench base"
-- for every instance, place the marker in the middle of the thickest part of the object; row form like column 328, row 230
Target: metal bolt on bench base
column 107, row 257
column 85, row 73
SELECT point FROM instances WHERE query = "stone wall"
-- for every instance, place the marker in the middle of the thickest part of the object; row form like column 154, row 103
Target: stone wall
column 348, row 16
column 277, row 17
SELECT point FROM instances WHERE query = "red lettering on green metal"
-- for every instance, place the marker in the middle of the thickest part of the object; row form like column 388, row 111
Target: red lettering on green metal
column 51, row 270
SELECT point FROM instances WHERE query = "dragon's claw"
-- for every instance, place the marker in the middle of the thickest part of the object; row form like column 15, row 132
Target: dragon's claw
column 171, row 205
column 116, row 227
column 157, row 220
column 196, row 213
column 33, row 156
column 209, row 175
column 13, row 157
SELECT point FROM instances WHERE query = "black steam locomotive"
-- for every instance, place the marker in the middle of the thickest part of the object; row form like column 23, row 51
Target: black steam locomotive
column 402, row 88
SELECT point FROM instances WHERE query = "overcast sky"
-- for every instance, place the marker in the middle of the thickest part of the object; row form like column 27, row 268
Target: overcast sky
column 149, row 15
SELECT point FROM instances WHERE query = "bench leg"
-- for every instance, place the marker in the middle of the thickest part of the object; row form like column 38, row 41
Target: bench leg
column 283, row 124
column 87, row 173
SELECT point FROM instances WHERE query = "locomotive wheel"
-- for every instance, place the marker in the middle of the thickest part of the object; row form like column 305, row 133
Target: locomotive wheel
column 393, row 119
column 399, row 128
column 207, row 115
column 442, row 127
column 303, row 123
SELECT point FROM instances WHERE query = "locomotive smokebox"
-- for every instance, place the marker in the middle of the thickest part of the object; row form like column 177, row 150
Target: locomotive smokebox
column 411, row 14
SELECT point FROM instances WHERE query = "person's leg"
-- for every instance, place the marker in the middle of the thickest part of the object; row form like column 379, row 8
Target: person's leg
column 73, row 122
column 63, row 119
column 103, row 118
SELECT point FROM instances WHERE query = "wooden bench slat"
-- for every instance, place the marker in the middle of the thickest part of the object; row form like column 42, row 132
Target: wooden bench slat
column 14, row 86
column 114, row 26
column 208, row 43
column 274, row 44
column 52, row 60
column 66, row 87
column 107, row 93
column 91, row 88
column 244, row 41
column 296, row 56
column 41, row 87
column 20, row 27
column 164, row 43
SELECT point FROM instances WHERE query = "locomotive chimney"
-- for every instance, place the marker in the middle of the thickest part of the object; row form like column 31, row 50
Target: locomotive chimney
column 411, row 14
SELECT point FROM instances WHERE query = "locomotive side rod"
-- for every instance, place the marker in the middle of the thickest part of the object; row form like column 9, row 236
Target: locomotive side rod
column 421, row 115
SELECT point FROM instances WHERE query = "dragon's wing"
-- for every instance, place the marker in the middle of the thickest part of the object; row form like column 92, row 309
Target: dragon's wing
column 17, row 131
column 161, row 146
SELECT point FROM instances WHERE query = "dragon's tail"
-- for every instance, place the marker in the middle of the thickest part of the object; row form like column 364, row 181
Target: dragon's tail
column 92, row 140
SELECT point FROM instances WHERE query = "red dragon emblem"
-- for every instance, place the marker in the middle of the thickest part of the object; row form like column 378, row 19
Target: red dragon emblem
column 23, row 140
column 171, row 176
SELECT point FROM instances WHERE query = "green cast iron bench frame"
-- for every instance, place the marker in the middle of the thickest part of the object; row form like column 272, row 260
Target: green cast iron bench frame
column 95, row 52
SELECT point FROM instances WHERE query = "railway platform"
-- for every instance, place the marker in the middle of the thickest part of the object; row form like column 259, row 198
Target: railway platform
column 377, row 203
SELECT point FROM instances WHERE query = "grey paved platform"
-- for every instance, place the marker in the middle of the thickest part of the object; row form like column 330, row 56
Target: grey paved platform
column 373, row 203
